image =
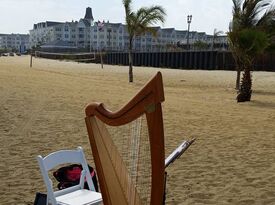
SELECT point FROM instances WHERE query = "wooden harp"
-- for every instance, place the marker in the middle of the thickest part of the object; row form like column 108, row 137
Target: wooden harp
column 121, row 181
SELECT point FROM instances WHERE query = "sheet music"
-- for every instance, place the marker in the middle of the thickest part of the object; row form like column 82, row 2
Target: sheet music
column 176, row 153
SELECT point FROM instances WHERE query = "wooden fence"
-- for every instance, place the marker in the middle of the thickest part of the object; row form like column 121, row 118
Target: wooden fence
column 203, row 60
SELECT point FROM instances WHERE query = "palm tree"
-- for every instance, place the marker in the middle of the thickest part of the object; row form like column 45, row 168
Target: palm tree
column 249, row 36
column 138, row 23
column 215, row 36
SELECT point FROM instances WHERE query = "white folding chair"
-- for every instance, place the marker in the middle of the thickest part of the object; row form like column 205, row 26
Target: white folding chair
column 75, row 195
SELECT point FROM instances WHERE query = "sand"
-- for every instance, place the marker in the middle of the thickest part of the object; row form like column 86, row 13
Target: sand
column 231, row 162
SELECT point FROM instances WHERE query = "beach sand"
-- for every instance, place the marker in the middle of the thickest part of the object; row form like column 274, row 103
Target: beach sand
column 231, row 162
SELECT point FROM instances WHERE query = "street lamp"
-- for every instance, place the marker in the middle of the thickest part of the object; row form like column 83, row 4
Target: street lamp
column 92, row 24
column 189, row 19
column 109, row 30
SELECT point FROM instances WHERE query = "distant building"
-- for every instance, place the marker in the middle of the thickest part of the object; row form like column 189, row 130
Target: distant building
column 14, row 42
column 91, row 35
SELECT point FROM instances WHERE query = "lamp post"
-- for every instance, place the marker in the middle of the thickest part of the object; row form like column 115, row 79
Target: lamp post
column 189, row 19
column 109, row 30
column 92, row 24
column 100, row 28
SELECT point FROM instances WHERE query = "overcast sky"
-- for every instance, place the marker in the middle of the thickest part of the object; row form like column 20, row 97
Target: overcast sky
column 18, row 16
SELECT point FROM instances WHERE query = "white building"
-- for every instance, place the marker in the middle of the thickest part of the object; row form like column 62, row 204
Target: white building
column 107, row 36
column 14, row 42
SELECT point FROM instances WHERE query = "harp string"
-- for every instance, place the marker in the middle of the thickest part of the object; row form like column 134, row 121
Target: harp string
column 132, row 143
column 143, row 178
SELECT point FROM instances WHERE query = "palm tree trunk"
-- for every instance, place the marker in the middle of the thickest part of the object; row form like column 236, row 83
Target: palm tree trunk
column 238, row 79
column 245, row 90
column 212, row 45
column 131, row 75
column 238, row 69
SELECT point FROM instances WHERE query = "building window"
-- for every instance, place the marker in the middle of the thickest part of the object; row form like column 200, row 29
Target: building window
column 66, row 36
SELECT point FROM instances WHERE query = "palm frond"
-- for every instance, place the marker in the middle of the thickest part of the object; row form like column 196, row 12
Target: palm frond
column 253, row 28
column 267, row 19
column 127, row 5
column 251, row 13
column 248, row 13
column 236, row 11
column 151, row 15
column 146, row 17
column 217, row 33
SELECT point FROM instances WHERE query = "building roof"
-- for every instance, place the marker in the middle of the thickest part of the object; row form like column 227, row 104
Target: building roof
column 114, row 24
column 181, row 31
column 156, row 28
column 15, row 34
column 168, row 29
column 89, row 14
column 53, row 23
column 46, row 24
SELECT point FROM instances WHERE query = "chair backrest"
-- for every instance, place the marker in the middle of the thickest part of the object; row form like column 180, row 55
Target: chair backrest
column 62, row 157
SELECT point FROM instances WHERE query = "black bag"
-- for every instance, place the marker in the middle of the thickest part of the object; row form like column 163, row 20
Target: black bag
column 40, row 199
column 70, row 175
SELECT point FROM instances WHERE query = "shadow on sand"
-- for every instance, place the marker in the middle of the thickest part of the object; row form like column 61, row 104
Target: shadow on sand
column 262, row 92
column 261, row 104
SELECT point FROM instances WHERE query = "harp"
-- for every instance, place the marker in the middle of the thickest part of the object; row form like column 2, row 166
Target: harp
column 130, row 168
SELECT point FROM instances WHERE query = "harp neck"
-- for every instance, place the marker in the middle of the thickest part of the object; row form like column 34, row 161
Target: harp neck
column 144, row 102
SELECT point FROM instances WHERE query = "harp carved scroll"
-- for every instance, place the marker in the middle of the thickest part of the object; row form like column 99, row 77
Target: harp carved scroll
column 130, row 164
